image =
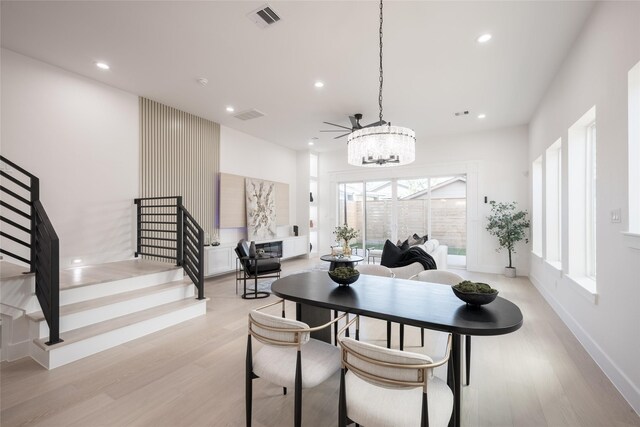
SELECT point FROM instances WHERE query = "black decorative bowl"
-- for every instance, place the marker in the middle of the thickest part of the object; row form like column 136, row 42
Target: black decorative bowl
column 344, row 281
column 475, row 298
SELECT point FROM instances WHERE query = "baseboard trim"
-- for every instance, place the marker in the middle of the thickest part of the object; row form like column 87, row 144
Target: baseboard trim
column 620, row 381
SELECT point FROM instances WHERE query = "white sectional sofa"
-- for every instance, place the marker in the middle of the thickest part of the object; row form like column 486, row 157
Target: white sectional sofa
column 437, row 251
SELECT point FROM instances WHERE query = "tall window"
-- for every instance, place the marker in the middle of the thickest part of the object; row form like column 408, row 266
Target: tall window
column 582, row 200
column 590, row 203
column 553, row 205
column 634, row 149
column 536, row 176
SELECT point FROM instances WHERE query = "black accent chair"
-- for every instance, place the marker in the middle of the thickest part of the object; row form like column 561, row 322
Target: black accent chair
column 254, row 268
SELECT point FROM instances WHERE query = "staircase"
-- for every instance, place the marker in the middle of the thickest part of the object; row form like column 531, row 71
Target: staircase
column 57, row 317
column 101, row 306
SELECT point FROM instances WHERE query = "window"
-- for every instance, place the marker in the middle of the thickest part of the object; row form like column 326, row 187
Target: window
column 582, row 200
column 351, row 208
column 313, row 204
column 553, row 205
column 634, row 150
column 378, row 213
column 536, row 219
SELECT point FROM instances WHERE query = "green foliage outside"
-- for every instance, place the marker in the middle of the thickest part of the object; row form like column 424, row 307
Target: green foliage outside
column 457, row 251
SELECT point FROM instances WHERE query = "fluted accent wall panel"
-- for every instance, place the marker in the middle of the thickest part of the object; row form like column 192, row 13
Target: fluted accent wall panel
column 180, row 156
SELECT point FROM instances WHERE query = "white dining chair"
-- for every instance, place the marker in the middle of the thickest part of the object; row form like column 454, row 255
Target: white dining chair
column 382, row 387
column 382, row 271
column 289, row 356
column 447, row 278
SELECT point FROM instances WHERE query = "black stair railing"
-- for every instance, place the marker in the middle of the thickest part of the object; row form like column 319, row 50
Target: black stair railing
column 166, row 230
column 41, row 240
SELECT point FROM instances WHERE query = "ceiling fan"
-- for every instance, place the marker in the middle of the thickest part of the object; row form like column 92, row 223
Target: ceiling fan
column 355, row 125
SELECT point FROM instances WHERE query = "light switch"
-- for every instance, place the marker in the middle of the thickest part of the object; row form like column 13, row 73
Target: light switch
column 616, row 215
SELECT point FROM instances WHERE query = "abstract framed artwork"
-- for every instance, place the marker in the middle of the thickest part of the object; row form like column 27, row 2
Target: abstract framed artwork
column 261, row 209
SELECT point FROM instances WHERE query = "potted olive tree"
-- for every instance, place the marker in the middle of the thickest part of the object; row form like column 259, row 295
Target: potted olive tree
column 508, row 225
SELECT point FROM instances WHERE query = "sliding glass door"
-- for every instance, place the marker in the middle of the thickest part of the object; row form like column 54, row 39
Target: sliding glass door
column 378, row 213
column 395, row 209
column 351, row 208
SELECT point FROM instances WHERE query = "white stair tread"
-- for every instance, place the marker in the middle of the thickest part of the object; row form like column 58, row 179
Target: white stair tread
column 112, row 271
column 9, row 270
column 79, row 334
column 77, row 307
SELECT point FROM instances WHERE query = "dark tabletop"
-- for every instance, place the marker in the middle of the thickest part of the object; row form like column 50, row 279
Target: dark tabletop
column 422, row 304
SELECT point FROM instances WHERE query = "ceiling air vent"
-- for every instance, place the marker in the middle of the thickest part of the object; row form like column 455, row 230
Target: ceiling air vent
column 264, row 16
column 249, row 114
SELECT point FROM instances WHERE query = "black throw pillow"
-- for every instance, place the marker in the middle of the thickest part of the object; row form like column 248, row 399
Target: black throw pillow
column 390, row 254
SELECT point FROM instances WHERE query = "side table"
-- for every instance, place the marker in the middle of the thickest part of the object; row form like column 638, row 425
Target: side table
column 341, row 261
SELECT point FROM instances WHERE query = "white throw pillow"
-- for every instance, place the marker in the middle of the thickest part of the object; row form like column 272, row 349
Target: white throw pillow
column 429, row 246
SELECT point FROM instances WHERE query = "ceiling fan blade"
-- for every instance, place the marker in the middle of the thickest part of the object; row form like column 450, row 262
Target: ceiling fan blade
column 340, row 126
column 378, row 123
column 340, row 136
column 332, row 130
column 354, row 122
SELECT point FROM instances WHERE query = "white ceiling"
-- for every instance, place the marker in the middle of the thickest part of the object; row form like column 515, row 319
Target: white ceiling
column 433, row 65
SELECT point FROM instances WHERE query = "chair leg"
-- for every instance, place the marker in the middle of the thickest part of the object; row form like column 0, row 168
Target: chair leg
column 249, row 382
column 335, row 328
column 342, row 402
column 298, row 392
column 421, row 337
column 424, row 419
column 451, row 381
column 467, row 351
column 388, row 334
column 401, row 336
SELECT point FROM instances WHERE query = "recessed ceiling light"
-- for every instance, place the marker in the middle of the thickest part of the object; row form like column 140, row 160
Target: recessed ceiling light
column 310, row 142
column 231, row 109
column 318, row 84
column 484, row 38
column 102, row 65
column 76, row 261
column 482, row 116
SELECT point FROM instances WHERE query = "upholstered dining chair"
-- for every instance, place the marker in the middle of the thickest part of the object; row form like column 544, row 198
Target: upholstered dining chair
column 446, row 278
column 382, row 387
column 376, row 270
column 289, row 356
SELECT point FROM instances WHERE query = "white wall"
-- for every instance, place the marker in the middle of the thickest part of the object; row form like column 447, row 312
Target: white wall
column 80, row 137
column 595, row 73
column 496, row 166
column 246, row 155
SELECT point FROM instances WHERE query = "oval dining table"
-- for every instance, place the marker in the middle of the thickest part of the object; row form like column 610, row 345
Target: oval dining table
column 427, row 305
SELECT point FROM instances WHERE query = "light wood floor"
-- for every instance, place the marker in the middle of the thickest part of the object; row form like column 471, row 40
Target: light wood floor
column 193, row 374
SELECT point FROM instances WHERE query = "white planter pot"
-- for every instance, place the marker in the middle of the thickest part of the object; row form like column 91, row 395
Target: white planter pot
column 510, row 271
